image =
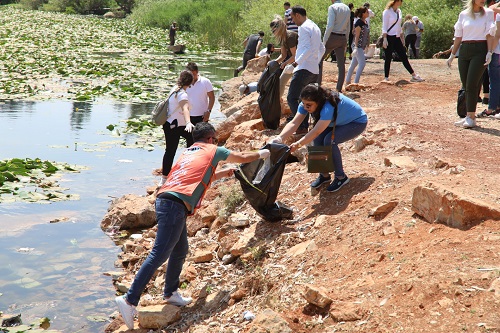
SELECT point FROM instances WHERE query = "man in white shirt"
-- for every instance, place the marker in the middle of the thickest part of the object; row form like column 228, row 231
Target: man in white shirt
column 201, row 96
column 420, row 30
column 308, row 56
column 335, row 38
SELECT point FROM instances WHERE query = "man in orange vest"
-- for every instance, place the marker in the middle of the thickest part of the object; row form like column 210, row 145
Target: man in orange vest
column 178, row 197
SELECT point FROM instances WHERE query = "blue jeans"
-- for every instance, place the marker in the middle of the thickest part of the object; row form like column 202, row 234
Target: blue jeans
column 358, row 59
column 342, row 134
column 300, row 79
column 494, row 73
column 171, row 243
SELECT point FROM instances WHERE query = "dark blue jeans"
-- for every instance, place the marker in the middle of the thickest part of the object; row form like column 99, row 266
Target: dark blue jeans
column 342, row 134
column 300, row 79
column 494, row 73
column 171, row 243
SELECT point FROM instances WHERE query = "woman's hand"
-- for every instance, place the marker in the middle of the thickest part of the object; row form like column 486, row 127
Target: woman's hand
column 294, row 146
column 189, row 127
column 385, row 43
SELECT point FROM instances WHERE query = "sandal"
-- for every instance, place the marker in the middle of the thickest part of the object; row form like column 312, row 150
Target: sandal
column 485, row 114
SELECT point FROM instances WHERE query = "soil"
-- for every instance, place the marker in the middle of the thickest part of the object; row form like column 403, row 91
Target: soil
column 400, row 272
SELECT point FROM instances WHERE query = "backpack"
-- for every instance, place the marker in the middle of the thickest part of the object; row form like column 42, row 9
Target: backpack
column 160, row 112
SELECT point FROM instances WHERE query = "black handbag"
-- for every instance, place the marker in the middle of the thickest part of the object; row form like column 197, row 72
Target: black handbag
column 461, row 106
column 319, row 159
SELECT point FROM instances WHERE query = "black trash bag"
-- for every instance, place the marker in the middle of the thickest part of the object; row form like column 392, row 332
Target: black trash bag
column 461, row 107
column 269, row 95
column 262, row 195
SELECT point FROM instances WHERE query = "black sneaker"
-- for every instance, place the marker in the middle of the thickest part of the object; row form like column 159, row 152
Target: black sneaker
column 337, row 184
column 320, row 181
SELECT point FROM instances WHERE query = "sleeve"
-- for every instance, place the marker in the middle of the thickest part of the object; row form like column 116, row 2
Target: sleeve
column 305, row 41
column 371, row 13
column 459, row 26
column 292, row 41
column 492, row 28
column 301, row 109
column 208, row 85
column 182, row 96
column 222, row 154
column 329, row 24
column 386, row 16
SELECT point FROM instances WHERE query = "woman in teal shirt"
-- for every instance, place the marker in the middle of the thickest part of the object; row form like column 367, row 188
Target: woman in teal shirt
column 320, row 103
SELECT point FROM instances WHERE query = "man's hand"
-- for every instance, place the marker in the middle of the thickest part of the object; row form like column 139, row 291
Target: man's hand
column 189, row 127
column 264, row 153
column 206, row 116
column 276, row 139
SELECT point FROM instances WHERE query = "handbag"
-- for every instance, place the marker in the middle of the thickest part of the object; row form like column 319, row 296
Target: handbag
column 461, row 107
column 380, row 40
column 160, row 112
column 319, row 158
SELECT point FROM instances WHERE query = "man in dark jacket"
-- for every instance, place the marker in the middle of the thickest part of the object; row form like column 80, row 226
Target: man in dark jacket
column 252, row 47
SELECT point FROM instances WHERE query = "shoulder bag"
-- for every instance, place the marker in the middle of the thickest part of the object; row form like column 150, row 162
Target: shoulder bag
column 319, row 159
column 160, row 112
column 380, row 40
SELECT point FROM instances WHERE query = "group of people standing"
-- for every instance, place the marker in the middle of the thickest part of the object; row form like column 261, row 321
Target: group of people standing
column 477, row 34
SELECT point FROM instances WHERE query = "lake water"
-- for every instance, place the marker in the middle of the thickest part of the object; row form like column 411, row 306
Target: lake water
column 55, row 270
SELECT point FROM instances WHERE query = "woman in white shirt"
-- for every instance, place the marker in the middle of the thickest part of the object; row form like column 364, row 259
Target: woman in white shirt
column 179, row 123
column 394, row 39
column 474, row 32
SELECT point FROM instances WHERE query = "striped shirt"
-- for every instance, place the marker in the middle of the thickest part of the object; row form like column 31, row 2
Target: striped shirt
column 290, row 25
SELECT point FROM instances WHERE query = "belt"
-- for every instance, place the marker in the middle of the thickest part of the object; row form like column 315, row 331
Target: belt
column 336, row 34
column 171, row 197
column 473, row 41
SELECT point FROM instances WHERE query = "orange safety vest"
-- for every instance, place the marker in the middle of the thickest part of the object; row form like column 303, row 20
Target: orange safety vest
column 189, row 170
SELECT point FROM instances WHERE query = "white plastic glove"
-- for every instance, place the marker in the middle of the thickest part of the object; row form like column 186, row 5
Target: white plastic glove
column 276, row 139
column 385, row 43
column 189, row 127
column 450, row 59
column 288, row 69
column 264, row 153
column 488, row 58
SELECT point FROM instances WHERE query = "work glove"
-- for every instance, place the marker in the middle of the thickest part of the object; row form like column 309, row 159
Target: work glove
column 488, row 58
column 385, row 43
column 264, row 153
column 288, row 69
column 189, row 127
column 276, row 139
column 450, row 59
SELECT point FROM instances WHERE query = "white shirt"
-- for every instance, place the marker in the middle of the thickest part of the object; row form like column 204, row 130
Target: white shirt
column 263, row 52
column 197, row 94
column 174, row 107
column 310, row 49
column 388, row 18
column 339, row 16
column 420, row 27
column 477, row 27
column 370, row 14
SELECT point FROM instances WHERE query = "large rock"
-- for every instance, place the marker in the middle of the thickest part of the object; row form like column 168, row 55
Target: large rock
column 158, row 316
column 256, row 65
column 130, row 212
column 244, row 110
column 269, row 322
column 435, row 203
column 317, row 296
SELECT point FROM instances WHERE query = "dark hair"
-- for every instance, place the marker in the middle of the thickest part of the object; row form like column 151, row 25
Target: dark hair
column 367, row 5
column 360, row 11
column 313, row 92
column 185, row 78
column 270, row 47
column 286, row 4
column 299, row 10
column 192, row 66
column 261, row 33
column 203, row 131
column 351, row 5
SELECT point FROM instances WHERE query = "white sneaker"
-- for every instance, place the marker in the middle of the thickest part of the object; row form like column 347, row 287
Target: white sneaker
column 127, row 311
column 386, row 79
column 177, row 299
column 416, row 78
column 469, row 122
column 497, row 116
column 460, row 123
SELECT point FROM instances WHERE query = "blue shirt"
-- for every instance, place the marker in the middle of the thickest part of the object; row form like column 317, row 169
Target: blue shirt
column 348, row 111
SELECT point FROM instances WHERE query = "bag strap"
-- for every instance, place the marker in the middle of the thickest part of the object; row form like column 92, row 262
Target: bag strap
column 334, row 122
column 397, row 19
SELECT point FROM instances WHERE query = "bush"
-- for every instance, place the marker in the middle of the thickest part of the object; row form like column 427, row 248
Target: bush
column 78, row 6
column 32, row 4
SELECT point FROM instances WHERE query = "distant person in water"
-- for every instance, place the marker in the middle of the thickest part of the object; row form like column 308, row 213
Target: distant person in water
column 172, row 32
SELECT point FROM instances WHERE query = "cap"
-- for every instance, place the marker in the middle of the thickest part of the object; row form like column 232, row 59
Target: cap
column 242, row 88
column 414, row 18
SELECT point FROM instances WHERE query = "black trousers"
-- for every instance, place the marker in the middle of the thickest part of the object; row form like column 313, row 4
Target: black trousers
column 172, row 137
column 395, row 45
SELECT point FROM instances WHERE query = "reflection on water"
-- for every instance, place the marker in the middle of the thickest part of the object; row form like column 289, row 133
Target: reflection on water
column 56, row 269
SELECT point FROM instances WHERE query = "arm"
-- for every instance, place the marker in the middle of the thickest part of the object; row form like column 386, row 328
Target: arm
column 245, row 42
column 211, row 101
column 386, row 16
column 497, row 36
column 185, row 110
column 282, row 54
column 243, row 157
column 222, row 173
column 292, row 126
column 258, row 48
column 329, row 24
column 456, row 45
column 309, row 137
column 357, row 31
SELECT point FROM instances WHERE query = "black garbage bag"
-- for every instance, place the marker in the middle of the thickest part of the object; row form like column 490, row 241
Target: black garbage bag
column 269, row 95
column 261, row 188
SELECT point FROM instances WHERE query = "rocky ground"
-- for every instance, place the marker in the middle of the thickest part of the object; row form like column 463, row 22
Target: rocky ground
column 360, row 259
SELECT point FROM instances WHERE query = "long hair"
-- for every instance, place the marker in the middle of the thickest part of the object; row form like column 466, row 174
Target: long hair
column 278, row 27
column 469, row 8
column 391, row 3
column 360, row 11
column 315, row 93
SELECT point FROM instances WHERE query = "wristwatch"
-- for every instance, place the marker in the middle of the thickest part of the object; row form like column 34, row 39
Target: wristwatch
column 209, row 110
